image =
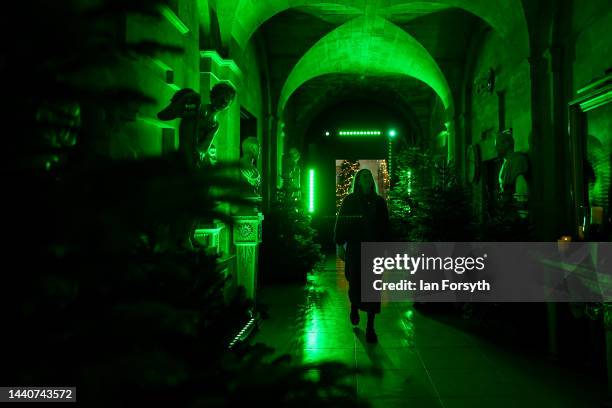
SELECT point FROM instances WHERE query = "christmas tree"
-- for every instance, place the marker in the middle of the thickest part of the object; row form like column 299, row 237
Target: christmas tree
column 345, row 179
column 428, row 204
column 410, row 175
column 289, row 251
column 442, row 212
column 384, row 177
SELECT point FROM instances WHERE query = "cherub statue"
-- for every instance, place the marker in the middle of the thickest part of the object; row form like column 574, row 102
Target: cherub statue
column 221, row 97
column 513, row 173
column 248, row 164
column 199, row 123
column 197, row 131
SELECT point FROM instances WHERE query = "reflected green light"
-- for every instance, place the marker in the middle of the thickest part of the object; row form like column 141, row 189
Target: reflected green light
column 313, row 336
column 311, row 341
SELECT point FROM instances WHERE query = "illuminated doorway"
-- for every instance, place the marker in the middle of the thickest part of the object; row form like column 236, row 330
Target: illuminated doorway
column 346, row 169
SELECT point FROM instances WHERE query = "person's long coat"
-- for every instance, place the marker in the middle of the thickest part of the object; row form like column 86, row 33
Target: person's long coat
column 362, row 218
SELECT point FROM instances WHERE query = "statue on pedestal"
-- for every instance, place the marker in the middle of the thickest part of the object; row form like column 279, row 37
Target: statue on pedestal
column 197, row 130
column 291, row 173
column 199, row 123
column 250, row 176
column 514, row 170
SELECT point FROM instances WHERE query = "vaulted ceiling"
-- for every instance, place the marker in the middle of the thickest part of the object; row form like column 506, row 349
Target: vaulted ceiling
column 443, row 32
column 413, row 52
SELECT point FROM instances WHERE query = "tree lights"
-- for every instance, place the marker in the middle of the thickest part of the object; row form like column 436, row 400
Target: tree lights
column 384, row 170
column 408, row 175
column 345, row 179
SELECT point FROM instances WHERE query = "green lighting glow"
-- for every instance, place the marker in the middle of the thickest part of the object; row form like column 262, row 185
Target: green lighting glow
column 314, row 334
column 409, row 181
column 359, row 133
column 369, row 45
column 311, row 190
column 240, row 19
column 392, row 133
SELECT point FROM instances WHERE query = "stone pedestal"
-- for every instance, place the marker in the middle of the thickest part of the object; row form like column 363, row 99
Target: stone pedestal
column 247, row 237
column 208, row 236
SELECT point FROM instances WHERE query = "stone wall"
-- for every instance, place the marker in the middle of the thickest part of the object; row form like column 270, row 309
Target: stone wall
column 159, row 78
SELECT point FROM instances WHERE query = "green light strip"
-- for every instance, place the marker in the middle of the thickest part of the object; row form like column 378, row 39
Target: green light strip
column 390, row 159
column 359, row 133
column 243, row 333
column 174, row 20
column 311, row 190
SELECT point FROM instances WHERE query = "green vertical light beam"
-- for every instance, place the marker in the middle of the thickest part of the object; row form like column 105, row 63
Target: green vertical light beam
column 311, row 190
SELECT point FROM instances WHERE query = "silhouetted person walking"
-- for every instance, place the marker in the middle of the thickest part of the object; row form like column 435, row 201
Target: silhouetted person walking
column 363, row 217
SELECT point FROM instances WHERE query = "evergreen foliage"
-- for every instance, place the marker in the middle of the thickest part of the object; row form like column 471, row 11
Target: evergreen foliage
column 102, row 293
column 507, row 222
column 289, row 251
column 430, row 205
column 345, row 179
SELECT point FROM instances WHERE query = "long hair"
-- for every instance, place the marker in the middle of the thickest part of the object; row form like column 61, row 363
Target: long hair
column 356, row 186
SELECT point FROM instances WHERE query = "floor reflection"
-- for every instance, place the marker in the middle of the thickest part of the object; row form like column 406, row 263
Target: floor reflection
column 418, row 360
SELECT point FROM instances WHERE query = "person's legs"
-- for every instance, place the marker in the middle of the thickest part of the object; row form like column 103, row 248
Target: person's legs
column 371, row 316
column 354, row 314
column 353, row 292
column 371, row 336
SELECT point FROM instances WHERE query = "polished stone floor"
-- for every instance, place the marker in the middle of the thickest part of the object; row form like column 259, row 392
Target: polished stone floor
column 419, row 361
